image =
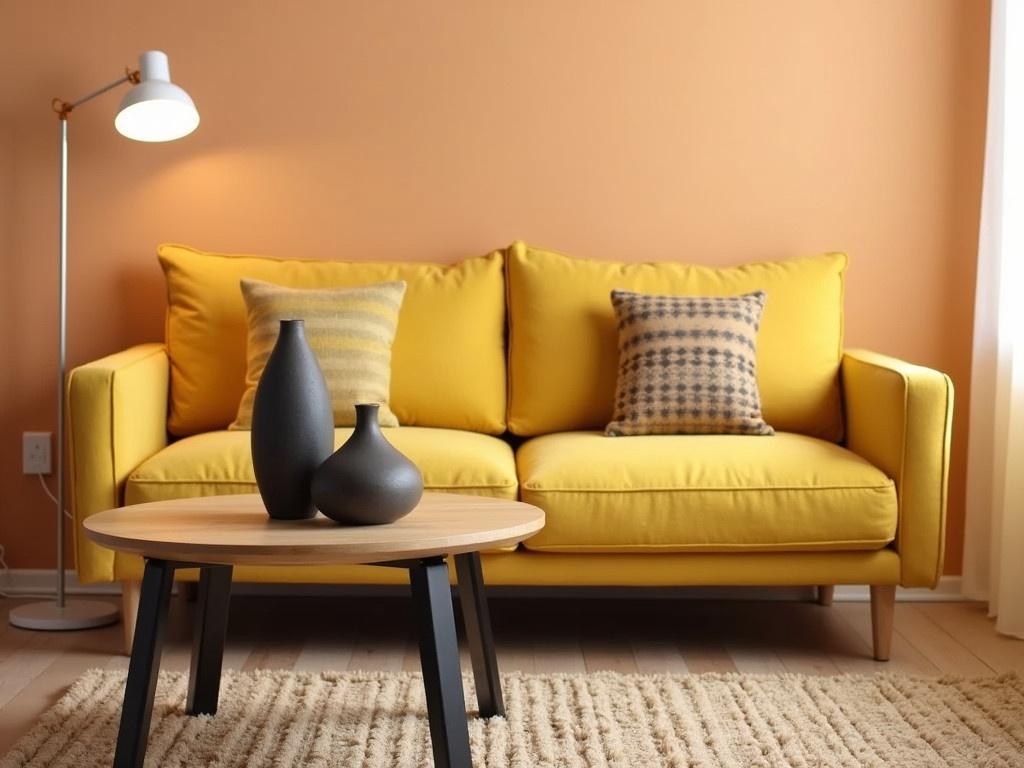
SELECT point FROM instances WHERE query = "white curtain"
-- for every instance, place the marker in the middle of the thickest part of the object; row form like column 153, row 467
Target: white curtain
column 994, row 540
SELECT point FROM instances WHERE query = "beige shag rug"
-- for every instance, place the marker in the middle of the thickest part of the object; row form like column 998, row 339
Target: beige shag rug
column 374, row 720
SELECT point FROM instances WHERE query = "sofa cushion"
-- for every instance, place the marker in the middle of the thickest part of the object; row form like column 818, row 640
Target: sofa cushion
column 448, row 359
column 221, row 462
column 703, row 493
column 563, row 339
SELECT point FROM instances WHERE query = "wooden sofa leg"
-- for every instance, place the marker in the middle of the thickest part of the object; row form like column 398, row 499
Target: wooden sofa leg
column 883, row 609
column 130, row 593
column 825, row 593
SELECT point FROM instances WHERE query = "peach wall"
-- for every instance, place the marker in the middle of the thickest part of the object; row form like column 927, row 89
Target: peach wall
column 714, row 131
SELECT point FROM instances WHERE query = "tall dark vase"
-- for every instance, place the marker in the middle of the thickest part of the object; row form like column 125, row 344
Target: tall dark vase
column 367, row 481
column 292, row 425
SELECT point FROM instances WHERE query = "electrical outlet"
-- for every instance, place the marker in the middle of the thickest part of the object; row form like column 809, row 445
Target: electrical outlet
column 35, row 453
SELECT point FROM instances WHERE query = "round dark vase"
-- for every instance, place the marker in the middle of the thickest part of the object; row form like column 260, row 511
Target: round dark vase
column 367, row 481
column 292, row 425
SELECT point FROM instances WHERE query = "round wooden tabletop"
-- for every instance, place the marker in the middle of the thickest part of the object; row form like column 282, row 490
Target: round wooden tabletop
column 235, row 530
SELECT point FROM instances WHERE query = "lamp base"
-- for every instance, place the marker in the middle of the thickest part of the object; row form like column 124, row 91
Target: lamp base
column 76, row 614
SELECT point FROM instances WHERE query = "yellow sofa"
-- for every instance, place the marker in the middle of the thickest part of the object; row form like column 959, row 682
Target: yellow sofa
column 503, row 376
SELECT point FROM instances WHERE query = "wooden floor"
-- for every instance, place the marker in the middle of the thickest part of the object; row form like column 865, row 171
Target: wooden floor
column 532, row 635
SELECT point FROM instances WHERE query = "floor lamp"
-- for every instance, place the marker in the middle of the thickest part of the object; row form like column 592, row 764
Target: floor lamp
column 155, row 109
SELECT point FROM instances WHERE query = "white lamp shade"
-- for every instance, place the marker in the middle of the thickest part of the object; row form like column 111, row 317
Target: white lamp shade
column 156, row 109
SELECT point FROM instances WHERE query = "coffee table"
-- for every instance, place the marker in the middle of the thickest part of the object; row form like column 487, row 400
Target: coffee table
column 215, row 533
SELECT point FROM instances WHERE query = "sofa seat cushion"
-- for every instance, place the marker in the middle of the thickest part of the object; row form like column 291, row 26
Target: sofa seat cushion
column 703, row 493
column 211, row 463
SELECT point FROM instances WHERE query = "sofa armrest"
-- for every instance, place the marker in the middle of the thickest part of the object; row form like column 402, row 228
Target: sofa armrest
column 899, row 417
column 117, row 418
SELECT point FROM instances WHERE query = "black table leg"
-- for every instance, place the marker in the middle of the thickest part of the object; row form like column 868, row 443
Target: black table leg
column 144, row 666
column 208, row 640
column 477, row 621
column 439, row 655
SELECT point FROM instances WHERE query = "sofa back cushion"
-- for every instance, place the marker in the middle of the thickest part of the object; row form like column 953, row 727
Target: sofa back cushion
column 448, row 359
column 563, row 341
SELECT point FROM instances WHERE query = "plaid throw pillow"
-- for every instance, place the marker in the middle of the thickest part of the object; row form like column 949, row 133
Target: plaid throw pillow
column 687, row 365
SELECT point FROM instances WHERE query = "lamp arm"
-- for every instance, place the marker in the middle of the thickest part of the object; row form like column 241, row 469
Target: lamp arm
column 63, row 108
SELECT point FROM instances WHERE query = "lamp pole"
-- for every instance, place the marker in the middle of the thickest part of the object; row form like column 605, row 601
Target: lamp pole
column 63, row 109
column 62, row 353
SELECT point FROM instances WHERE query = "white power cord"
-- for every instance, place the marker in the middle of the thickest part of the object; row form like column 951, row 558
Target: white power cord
column 5, row 571
column 48, row 492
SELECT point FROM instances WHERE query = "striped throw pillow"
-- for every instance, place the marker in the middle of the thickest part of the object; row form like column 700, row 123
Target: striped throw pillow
column 687, row 365
column 350, row 330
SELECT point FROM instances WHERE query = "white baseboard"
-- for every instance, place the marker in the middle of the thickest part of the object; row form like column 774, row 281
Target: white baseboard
column 38, row 581
column 43, row 581
column 948, row 590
